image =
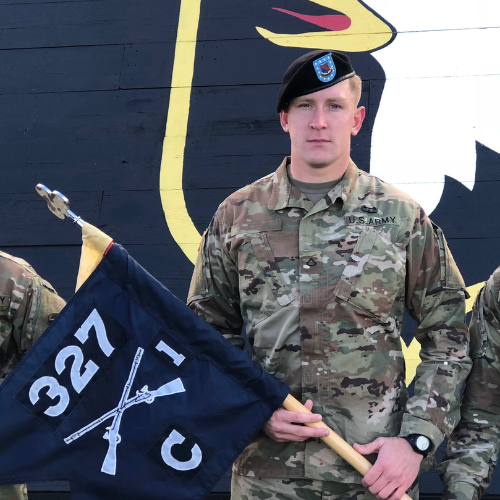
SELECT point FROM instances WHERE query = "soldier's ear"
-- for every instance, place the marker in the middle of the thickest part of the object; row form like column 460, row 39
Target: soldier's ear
column 359, row 116
column 284, row 120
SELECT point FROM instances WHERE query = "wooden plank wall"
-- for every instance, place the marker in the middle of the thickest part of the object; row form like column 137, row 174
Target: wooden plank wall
column 79, row 115
column 84, row 97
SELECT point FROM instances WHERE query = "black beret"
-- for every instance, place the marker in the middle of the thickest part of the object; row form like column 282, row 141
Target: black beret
column 316, row 70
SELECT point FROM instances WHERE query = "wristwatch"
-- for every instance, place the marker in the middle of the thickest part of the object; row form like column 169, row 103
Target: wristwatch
column 419, row 443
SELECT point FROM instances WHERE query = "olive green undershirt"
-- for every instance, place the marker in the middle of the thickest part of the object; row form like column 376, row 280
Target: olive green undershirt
column 315, row 191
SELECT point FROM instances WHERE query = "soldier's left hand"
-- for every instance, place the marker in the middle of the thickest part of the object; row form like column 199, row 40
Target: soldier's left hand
column 395, row 469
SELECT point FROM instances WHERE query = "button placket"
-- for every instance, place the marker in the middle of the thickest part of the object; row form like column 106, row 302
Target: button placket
column 310, row 286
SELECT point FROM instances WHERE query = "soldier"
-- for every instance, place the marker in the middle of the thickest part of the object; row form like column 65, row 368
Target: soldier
column 28, row 304
column 473, row 447
column 317, row 261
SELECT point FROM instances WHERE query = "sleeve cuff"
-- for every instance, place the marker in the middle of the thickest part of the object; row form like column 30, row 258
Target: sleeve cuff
column 414, row 425
column 458, row 490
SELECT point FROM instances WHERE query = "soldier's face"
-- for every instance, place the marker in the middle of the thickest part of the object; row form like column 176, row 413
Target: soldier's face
column 320, row 126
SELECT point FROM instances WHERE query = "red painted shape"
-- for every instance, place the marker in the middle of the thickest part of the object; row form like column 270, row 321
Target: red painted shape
column 329, row 22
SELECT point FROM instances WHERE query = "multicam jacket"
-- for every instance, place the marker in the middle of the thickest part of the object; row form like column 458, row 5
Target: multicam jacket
column 473, row 447
column 320, row 290
column 27, row 306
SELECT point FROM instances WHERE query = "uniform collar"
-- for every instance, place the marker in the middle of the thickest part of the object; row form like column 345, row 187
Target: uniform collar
column 284, row 195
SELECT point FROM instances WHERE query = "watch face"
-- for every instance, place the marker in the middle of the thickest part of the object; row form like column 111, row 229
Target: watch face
column 422, row 443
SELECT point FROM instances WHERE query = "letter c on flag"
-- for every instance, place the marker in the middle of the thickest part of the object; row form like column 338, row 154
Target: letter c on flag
column 166, row 453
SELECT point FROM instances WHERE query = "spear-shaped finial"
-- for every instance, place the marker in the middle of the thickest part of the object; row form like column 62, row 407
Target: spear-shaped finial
column 58, row 204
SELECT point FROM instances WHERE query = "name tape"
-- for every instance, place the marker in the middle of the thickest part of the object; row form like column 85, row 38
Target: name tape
column 355, row 220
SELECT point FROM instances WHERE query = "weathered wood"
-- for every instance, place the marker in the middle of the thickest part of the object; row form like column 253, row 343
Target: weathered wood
column 98, row 139
column 129, row 217
column 150, row 64
column 60, row 70
column 63, row 24
column 147, row 65
column 59, row 264
column 82, row 117
column 27, row 221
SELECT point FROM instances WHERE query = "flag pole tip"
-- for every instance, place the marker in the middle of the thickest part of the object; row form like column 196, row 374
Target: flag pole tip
column 58, row 204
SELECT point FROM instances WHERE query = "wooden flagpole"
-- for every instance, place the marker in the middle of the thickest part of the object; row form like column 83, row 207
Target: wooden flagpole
column 334, row 441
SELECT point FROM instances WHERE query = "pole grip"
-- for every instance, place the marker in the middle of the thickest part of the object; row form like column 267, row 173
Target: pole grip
column 334, row 441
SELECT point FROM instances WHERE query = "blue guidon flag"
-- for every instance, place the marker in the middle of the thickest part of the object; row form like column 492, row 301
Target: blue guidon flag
column 129, row 394
column 325, row 68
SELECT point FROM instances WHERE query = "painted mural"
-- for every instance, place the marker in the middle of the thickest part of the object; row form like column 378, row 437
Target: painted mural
column 435, row 104
column 146, row 114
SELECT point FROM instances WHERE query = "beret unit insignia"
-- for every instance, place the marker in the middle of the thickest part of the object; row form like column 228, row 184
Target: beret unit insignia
column 325, row 68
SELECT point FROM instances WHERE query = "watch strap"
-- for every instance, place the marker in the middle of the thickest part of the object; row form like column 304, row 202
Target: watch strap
column 412, row 439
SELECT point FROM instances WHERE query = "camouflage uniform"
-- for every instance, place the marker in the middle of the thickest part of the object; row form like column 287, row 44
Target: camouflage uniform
column 473, row 448
column 320, row 290
column 261, row 488
column 27, row 305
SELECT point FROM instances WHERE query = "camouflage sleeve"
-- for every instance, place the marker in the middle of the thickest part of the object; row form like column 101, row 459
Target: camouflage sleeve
column 473, row 447
column 27, row 306
column 214, row 291
column 435, row 298
column 44, row 304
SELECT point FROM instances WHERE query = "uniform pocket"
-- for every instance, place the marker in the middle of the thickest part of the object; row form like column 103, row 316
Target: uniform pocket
column 451, row 278
column 44, row 304
column 263, row 288
column 373, row 275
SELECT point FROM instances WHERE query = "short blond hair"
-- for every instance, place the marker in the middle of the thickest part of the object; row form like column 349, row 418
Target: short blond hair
column 355, row 84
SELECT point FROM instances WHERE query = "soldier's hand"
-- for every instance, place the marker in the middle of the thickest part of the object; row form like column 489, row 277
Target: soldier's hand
column 282, row 426
column 395, row 469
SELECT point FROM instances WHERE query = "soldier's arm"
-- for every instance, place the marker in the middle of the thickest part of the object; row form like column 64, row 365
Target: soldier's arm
column 473, row 447
column 214, row 290
column 28, row 305
column 435, row 297
column 43, row 305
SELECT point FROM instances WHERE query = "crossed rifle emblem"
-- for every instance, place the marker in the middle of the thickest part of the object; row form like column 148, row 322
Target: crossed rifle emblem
column 144, row 395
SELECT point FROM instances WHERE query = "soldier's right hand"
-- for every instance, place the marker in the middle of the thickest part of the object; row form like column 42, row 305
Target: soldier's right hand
column 282, row 426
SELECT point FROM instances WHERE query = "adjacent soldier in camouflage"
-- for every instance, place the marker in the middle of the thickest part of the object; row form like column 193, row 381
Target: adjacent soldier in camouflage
column 473, row 447
column 28, row 304
column 320, row 289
